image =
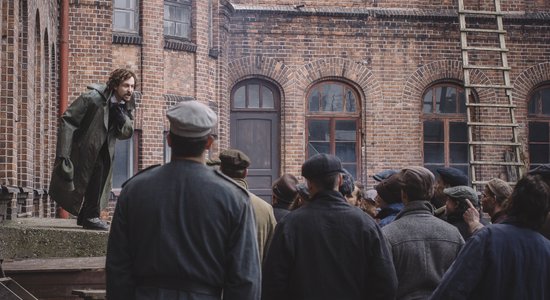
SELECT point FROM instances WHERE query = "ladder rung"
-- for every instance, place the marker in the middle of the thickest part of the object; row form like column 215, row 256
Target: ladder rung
column 495, row 163
column 480, row 12
column 491, row 105
column 494, row 143
column 485, row 182
column 496, row 49
column 489, row 86
column 483, row 30
column 486, row 67
column 492, row 124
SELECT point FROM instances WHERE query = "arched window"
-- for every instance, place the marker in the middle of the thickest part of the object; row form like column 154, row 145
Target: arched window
column 332, row 123
column 445, row 129
column 539, row 124
column 254, row 95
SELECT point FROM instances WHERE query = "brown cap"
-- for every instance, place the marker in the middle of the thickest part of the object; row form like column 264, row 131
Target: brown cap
column 500, row 188
column 233, row 159
column 284, row 188
column 389, row 189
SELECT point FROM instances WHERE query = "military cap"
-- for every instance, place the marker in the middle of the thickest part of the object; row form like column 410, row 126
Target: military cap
column 284, row 188
column 321, row 165
column 500, row 188
column 191, row 119
column 233, row 159
column 452, row 176
column 383, row 175
column 542, row 170
column 462, row 192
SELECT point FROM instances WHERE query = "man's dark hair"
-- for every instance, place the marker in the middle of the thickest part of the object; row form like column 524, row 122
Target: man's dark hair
column 326, row 183
column 530, row 202
column 187, row 147
column 118, row 76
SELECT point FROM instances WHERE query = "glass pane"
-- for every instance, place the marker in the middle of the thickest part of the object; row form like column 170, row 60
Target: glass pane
column 346, row 151
column 350, row 101
column 447, row 99
column 181, row 30
column 545, row 94
column 428, row 105
column 319, row 130
column 253, row 96
column 239, row 97
column 539, row 153
column 332, row 97
column 462, row 101
column 433, row 131
column 121, row 164
column 458, row 132
column 461, row 167
column 345, row 130
column 128, row 4
column 459, row 153
column 538, row 132
column 267, row 98
column 351, row 168
column 533, row 103
column 434, row 153
column 121, row 20
column 433, row 167
column 318, row 147
column 314, row 100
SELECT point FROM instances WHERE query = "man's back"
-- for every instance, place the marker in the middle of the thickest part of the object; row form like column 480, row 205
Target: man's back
column 328, row 250
column 423, row 248
column 184, row 223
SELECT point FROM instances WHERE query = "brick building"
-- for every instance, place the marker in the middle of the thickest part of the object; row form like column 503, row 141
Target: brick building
column 376, row 82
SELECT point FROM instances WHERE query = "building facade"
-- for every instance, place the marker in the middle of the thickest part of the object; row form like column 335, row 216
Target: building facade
column 378, row 82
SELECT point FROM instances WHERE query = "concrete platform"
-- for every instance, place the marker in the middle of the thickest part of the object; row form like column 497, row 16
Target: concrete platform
column 45, row 238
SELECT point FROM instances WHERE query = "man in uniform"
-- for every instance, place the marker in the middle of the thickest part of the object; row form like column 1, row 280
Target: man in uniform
column 184, row 230
column 81, row 179
column 235, row 163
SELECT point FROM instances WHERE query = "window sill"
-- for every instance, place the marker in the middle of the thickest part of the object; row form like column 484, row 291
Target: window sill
column 179, row 45
column 126, row 39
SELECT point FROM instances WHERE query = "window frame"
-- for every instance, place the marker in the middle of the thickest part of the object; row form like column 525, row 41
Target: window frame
column 132, row 155
column 135, row 11
column 332, row 117
column 263, row 84
column 182, row 4
column 537, row 117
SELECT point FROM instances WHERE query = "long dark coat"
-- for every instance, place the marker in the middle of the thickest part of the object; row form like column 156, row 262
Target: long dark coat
column 328, row 250
column 83, row 130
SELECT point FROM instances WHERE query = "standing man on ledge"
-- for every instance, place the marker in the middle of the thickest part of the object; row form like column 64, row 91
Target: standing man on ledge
column 184, row 231
column 88, row 130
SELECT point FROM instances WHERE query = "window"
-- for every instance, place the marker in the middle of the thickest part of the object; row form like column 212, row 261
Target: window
column 254, row 95
column 125, row 16
column 445, row 129
column 539, row 127
column 125, row 162
column 177, row 18
column 333, row 123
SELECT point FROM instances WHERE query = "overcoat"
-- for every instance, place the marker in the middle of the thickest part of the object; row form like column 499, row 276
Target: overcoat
column 83, row 131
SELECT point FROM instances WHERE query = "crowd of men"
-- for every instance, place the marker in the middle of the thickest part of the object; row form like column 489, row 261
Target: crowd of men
column 189, row 230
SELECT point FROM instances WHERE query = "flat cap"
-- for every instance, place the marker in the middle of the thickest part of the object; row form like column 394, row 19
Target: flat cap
column 284, row 188
column 453, row 176
column 370, row 195
column 543, row 170
column 233, row 159
column 462, row 192
column 389, row 189
column 384, row 174
column 191, row 119
column 500, row 188
column 321, row 165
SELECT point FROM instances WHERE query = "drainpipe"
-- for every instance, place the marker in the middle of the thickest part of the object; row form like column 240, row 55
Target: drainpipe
column 64, row 72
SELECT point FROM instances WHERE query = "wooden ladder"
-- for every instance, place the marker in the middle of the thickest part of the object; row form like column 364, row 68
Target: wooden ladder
column 491, row 118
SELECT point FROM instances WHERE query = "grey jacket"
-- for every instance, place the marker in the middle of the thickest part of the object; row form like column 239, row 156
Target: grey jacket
column 423, row 248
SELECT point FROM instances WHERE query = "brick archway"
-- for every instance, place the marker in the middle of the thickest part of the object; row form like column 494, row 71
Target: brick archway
column 259, row 66
column 529, row 79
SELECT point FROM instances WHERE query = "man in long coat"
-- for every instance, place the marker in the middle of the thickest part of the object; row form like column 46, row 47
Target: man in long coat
column 81, row 178
column 184, row 231
column 327, row 249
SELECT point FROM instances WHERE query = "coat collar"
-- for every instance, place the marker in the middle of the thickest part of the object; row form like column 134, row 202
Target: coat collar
column 416, row 207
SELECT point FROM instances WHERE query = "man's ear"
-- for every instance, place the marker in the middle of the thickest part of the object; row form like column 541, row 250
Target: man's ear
column 340, row 179
column 169, row 139
column 245, row 172
column 209, row 142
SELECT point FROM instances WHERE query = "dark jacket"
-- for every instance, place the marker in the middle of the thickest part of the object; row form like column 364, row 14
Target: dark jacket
column 457, row 220
column 328, row 250
column 83, row 130
column 280, row 210
column 501, row 261
column 182, row 224
column 423, row 248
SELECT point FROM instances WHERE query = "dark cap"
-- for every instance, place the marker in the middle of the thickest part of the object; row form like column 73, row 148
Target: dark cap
column 191, row 119
column 383, row 175
column 452, row 176
column 284, row 188
column 542, row 170
column 389, row 189
column 461, row 193
column 233, row 159
column 321, row 165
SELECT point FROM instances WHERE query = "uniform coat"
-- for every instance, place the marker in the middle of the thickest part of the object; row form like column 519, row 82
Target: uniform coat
column 423, row 248
column 329, row 250
column 180, row 229
column 84, row 131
